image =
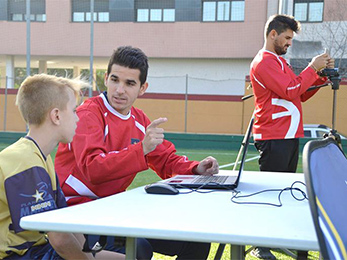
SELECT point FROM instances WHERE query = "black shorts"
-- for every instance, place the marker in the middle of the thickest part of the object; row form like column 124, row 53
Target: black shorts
column 278, row 155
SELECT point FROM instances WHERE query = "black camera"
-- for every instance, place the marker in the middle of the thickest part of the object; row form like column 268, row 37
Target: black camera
column 330, row 73
column 333, row 75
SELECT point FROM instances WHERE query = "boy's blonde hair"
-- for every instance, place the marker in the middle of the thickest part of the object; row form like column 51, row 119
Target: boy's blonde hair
column 40, row 93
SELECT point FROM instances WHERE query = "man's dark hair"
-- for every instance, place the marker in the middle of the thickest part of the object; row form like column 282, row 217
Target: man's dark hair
column 281, row 23
column 130, row 57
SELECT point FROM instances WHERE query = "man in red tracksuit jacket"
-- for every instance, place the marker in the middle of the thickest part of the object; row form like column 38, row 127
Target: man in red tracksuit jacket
column 278, row 94
column 114, row 141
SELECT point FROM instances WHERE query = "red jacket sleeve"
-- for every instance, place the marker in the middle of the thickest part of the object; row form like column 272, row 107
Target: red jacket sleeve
column 286, row 85
column 308, row 94
column 92, row 156
column 166, row 163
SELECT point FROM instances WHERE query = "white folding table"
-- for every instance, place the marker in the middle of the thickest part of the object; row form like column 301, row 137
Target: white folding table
column 201, row 217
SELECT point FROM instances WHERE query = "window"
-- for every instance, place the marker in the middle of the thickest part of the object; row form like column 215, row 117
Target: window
column 17, row 17
column 78, row 17
column 155, row 11
column 309, row 10
column 17, row 10
column 168, row 15
column 143, row 15
column 222, row 10
column 88, row 15
column 209, row 11
column 307, row 133
column 104, row 16
column 155, row 15
column 81, row 11
column 41, row 17
column 237, row 11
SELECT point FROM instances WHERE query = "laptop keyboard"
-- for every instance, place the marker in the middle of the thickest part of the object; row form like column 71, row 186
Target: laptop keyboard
column 208, row 179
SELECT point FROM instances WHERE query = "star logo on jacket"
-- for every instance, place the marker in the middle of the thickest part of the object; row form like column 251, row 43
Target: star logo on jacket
column 38, row 196
column 134, row 141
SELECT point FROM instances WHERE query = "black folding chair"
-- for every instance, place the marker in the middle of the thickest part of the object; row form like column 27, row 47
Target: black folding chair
column 325, row 168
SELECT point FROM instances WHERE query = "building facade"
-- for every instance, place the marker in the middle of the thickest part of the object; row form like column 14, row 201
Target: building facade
column 199, row 50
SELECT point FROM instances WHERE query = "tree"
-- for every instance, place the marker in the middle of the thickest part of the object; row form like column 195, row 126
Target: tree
column 331, row 34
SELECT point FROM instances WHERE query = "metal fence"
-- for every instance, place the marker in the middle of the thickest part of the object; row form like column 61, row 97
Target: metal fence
column 178, row 87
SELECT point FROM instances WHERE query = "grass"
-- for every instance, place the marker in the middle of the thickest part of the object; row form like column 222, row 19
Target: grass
column 224, row 157
column 3, row 146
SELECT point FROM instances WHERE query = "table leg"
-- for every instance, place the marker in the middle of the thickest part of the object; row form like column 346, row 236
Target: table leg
column 237, row 252
column 130, row 248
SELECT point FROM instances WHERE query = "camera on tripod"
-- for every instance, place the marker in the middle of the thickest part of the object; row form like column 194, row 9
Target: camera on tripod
column 330, row 72
column 333, row 75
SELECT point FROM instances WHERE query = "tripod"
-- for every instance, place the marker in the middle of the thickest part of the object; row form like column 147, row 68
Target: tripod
column 335, row 79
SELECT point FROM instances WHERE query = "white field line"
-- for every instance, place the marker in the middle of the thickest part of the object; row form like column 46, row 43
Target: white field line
column 224, row 153
column 227, row 153
column 232, row 164
column 219, row 153
column 211, row 153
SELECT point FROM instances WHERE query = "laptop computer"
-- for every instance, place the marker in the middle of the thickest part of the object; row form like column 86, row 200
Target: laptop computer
column 218, row 181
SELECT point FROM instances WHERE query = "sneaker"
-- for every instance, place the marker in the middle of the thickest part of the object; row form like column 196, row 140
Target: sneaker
column 263, row 253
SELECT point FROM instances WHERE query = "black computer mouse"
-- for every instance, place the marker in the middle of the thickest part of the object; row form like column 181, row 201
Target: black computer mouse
column 161, row 188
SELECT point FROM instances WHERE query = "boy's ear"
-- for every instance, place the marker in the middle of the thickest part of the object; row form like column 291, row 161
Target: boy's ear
column 143, row 89
column 54, row 115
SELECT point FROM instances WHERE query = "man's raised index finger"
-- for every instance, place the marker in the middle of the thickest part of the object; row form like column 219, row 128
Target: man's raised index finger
column 158, row 121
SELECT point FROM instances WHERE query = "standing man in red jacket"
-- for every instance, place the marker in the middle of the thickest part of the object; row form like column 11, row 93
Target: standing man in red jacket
column 278, row 95
column 114, row 141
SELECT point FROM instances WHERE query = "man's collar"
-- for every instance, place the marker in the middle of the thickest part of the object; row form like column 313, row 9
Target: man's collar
column 107, row 104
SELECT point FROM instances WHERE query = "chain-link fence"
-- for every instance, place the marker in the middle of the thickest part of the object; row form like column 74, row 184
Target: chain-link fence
column 181, row 88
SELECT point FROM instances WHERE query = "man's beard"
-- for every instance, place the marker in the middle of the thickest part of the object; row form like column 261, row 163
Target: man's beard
column 280, row 50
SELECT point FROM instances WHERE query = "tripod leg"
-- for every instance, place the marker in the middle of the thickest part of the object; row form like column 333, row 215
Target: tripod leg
column 245, row 141
column 219, row 252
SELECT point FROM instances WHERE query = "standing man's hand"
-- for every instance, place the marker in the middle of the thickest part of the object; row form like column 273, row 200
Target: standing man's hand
column 207, row 166
column 154, row 135
column 320, row 62
column 331, row 63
